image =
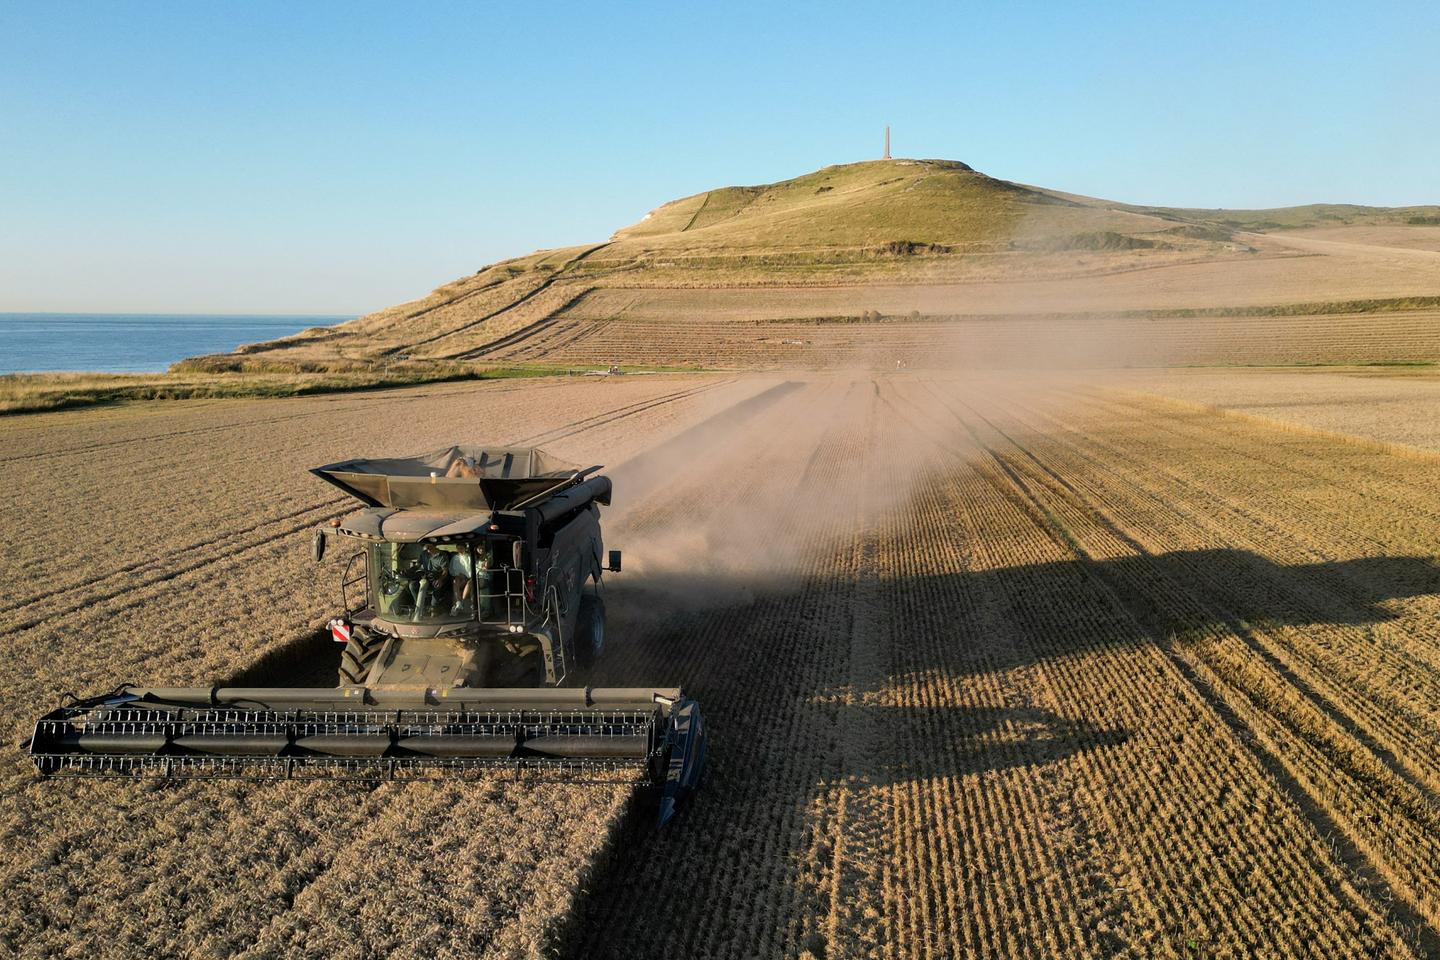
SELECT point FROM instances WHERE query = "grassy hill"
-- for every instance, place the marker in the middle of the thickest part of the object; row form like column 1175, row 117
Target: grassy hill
column 856, row 206
column 859, row 213
column 920, row 239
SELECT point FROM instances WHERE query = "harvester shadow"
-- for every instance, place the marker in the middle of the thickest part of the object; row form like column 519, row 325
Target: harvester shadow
column 766, row 654
column 714, row 629
column 966, row 741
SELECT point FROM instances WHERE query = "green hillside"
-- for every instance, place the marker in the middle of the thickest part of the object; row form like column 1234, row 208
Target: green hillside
column 860, row 205
column 1307, row 215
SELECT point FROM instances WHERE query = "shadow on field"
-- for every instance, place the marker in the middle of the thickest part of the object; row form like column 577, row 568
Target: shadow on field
column 765, row 657
column 969, row 741
column 981, row 621
column 309, row 659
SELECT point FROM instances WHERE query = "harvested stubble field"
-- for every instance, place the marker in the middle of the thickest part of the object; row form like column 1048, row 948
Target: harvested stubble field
column 166, row 542
column 1076, row 340
column 1398, row 405
column 992, row 669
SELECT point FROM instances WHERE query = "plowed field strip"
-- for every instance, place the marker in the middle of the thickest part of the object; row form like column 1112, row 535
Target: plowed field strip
column 938, row 637
column 862, row 894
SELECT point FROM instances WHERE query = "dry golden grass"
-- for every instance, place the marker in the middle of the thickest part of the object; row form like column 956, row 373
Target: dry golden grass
column 31, row 392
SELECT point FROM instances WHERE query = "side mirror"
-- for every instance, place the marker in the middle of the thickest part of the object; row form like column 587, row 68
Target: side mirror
column 517, row 555
column 318, row 546
column 614, row 561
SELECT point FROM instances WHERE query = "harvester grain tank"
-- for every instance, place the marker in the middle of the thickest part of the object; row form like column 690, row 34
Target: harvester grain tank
column 472, row 618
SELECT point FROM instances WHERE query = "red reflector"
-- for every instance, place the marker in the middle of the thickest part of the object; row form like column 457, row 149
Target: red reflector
column 530, row 589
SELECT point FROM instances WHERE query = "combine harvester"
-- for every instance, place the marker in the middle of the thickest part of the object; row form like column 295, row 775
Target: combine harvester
column 473, row 616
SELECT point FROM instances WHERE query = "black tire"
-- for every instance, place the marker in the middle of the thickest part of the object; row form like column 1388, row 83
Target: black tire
column 589, row 632
column 358, row 657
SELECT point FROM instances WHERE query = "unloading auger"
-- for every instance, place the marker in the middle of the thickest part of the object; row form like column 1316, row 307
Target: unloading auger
column 473, row 617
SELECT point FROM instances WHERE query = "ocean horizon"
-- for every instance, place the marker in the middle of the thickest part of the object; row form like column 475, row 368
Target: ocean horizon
column 134, row 342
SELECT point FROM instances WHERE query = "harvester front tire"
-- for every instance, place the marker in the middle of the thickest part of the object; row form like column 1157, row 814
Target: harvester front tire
column 358, row 657
column 590, row 632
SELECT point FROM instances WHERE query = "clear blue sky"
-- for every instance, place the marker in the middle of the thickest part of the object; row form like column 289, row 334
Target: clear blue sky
column 336, row 158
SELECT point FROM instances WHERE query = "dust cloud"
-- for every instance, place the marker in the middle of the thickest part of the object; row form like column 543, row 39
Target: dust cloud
column 757, row 492
column 748, row 500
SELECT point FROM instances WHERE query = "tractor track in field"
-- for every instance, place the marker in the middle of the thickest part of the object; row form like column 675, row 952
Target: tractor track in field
column 349, row 399
column 156, row 573
column 352, row 401
column 589, row 423
column 150, row 562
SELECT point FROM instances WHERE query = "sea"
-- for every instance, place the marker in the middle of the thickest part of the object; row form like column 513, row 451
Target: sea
column 131, row 342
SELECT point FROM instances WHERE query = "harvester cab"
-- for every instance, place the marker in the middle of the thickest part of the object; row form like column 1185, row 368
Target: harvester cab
column 473, row 566
column 472, row 616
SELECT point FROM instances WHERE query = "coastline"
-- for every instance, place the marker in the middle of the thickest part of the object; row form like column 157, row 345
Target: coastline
column 137, row 343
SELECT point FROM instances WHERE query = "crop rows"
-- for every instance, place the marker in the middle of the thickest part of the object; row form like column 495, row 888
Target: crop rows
column 990, row 669
column 1052, row 730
